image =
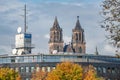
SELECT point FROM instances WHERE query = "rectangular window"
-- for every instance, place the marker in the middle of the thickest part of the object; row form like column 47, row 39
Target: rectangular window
column 43, row 69
column 21, row 69
column 53, row 68
column 32, row 69
column 16, row 69
column 104, row 70
column 27, row 79
column 48, row 69
column 27, row 69
column 37, row 69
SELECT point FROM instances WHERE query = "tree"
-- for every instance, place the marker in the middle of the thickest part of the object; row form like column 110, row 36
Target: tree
column 9, row 74
column 39, row 75
column 66, row 71
column 111, row 23
column 91, row 74
column 18, row 77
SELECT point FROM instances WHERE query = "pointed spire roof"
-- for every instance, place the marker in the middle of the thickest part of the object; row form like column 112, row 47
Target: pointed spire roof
column 56, row 24
column 96, row 52
column 78, row 26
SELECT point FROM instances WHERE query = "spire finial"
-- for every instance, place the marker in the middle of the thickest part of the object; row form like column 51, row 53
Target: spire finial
column 77, row 17
column 96, row 52
column 55, row 17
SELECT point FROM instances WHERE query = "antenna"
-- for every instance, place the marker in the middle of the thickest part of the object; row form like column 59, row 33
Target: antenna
column 25, row 27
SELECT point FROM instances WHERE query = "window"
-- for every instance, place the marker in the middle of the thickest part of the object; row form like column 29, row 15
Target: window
column 104, row 70
column 21, row 69
column 99, row 70
column 37, row 69
column 48, row 69
column 53, row 68
column 113, row 70
column 108, row 70
column 32, row 69
column 80, row 50
column 27, row 69
column 16, row 69
column 43, row 69
column 76, row 36
column 27, row 79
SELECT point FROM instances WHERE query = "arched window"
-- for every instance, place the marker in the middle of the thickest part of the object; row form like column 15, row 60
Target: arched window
column 58, row 48
column 79, row 36
column 57, row 35
column 80, row 50
column 76, row 35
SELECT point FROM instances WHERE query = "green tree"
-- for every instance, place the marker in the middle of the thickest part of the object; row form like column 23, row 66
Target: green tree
column 9, row 74
column 111, row 23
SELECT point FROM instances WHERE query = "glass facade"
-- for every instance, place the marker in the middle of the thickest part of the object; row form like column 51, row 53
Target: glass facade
column 57, row 58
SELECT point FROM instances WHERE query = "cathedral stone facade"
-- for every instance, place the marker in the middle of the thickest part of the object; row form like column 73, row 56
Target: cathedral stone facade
column 56, row 42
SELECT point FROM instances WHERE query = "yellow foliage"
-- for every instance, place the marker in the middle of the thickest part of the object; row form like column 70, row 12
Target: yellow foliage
column 66, row 71
column 8, row 74
column 39, row 75
column 91, row 74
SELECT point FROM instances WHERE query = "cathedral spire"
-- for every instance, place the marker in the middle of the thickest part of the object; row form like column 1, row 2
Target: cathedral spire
column 96, row 51
column 56, row 38
column 78, row 41
column 56, row 24
column 78, row 26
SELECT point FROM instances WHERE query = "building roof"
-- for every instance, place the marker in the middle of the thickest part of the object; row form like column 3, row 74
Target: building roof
column 75, row 57
column 78, row 26
column 56, row 24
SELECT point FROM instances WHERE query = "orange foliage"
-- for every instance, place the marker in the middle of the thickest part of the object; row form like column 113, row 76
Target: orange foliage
column 39, row 75
column 91, row 74
column 66, row 71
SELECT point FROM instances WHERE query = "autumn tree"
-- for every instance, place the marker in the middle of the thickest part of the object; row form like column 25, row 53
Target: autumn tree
column 18, row 77
column 111, row 23
column 9, row 74
column 91, row 74
column 66, row 71
column 39, row 75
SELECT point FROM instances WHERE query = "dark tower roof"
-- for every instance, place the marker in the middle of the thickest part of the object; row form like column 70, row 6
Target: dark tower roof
column 96, row 52
column 56, row 24
column 78, row 26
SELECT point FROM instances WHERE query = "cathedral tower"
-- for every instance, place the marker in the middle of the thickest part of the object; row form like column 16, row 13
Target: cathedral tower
column 78, row 39
column 56, row 38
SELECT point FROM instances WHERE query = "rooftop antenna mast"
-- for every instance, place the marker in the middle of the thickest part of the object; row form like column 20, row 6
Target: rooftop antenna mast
column 25, row 26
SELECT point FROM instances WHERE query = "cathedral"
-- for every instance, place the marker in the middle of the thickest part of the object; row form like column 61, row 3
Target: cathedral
column 56, row 42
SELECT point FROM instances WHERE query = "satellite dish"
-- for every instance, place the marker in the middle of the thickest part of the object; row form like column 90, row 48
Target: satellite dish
column 54, row 52
column 19, row 52
column 14, row 51
column 19, row 29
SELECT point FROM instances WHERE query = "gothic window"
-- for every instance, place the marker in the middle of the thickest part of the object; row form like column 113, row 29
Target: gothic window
column 80, row 36
column 58, row 48
column 60, row 36
column 55, row 36
column 76, row 37
column 80, row 50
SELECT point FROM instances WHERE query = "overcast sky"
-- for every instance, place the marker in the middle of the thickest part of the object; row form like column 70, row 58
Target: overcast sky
column 40, row 18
